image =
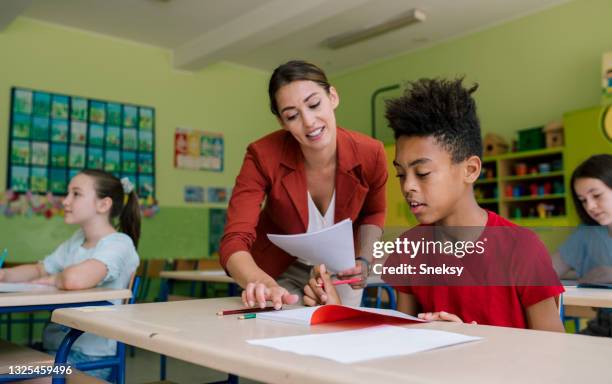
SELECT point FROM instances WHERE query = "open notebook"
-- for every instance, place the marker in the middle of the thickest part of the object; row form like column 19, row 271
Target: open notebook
column 331, row 312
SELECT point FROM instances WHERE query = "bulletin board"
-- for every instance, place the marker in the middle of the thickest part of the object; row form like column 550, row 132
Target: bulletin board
column 53, row 136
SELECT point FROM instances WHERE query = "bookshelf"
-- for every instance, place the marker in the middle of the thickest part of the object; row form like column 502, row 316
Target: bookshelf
column 527, row 187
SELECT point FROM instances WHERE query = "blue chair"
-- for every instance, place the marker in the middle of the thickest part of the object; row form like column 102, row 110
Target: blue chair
column 380, row 287
column 117, row 363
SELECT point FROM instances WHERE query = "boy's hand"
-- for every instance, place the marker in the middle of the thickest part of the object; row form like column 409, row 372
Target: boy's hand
column 360, row 270
column 441, row 316
column 258, row 294
column 320, row 289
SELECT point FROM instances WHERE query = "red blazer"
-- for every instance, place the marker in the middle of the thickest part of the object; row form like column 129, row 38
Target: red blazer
column 273, row 170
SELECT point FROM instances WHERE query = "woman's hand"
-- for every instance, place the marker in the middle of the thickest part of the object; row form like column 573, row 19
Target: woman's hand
column 320, row 289
column 258, row 294
column 441, row 316
column 360, row 270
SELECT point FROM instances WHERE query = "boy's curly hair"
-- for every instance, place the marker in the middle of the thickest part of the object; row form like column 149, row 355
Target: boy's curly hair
column 440, row 108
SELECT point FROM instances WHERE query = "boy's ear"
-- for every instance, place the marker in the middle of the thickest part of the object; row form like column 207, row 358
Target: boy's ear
column 472, row 168
column 104, row 205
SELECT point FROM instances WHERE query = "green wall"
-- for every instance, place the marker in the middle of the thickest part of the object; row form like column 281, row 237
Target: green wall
column 530, row 70
column 222, row 98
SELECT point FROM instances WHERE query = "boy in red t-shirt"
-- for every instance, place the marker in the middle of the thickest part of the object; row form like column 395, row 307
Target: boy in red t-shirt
column 437, row 160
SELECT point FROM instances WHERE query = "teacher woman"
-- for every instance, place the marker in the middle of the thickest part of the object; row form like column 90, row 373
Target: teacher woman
column 307, row 176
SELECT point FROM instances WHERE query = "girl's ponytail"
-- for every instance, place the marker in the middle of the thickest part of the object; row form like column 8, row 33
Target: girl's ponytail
column 129, row 220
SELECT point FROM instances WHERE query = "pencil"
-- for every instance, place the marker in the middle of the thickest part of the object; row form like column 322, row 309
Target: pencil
column 338, row 282
column 247, row 316
column 3, row 256
column 245, row 310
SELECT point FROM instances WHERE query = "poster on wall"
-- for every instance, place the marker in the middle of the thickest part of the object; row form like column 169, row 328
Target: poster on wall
column 53, row 136
column 198, row 150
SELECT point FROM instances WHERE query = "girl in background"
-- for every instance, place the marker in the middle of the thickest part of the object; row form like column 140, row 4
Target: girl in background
column 588, row 251
column 97, row 255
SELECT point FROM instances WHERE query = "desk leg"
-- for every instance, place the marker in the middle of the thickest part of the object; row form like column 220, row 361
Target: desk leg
column 232, row 289
column 62, row 353
column 162, row 367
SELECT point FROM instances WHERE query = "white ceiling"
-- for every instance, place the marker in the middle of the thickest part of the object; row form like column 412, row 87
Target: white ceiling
column 265, row 33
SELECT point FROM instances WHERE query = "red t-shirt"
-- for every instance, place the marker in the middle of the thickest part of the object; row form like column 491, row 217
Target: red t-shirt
column 489, row 305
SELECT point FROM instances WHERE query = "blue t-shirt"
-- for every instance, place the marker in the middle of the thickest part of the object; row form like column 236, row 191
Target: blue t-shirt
column 117, row 252
column 587, row 248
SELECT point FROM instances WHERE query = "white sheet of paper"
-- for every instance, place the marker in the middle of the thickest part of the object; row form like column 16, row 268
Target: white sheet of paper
column 332, row 246
column 25, row 287
column 302, row 316
column 366, row 344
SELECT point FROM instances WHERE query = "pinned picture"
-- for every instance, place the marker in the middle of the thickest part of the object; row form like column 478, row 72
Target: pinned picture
column 78, row 132
column 39, row 181
column 20, row 152
column 146, row 118
column 145, row 141
column 145, row 185
column 199, row 150
column 112, row 160
column 96, row 135
column 59, row 131
column 59, row 107
column 194, row 194
column 113, row 112
column 130, row 140
column 97, row 112
column 113, row 137
column 58, row 181
column 21, row 126
column 42, row 104
column 79, row 109
column 130, row 116
column 145, row 163
column 59, row 155
column 95, row 158
column 40, row 153
column 77, row 156
column 40, row 129
column 22, row 102
column 129, row 162
column 20, row 177
column 217, row 195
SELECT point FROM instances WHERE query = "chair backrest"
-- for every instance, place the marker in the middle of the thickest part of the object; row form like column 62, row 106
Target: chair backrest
column 133, row 286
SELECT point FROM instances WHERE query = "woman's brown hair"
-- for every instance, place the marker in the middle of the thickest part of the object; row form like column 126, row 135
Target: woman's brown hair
column 291, row 71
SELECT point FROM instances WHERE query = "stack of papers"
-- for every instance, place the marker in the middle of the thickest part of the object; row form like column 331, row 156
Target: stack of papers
column 365, row 344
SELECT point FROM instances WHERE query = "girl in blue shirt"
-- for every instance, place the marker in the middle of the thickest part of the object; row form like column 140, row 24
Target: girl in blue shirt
column 97, row 255
column 588, row 251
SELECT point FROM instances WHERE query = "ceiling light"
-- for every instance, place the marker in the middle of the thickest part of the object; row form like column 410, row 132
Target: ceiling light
column 411, row 17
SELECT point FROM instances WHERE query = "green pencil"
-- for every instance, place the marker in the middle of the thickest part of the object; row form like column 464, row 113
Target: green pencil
column 247, row 316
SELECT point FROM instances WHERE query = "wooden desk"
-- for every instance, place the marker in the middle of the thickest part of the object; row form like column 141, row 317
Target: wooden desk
column 212, row 276
column 579, row 302
column 21, row 301
column 190, row 331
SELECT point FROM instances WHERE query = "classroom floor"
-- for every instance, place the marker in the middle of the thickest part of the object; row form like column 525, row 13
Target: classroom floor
column 144, row 368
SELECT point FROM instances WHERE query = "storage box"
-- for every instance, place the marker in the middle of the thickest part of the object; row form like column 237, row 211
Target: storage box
column 530, row 139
